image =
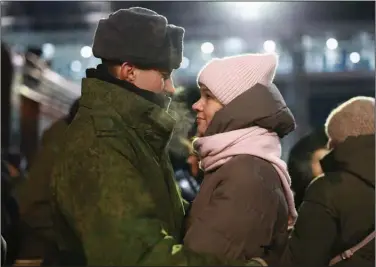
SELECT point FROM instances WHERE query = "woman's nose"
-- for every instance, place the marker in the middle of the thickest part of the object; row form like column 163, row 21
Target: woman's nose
column 196, row 106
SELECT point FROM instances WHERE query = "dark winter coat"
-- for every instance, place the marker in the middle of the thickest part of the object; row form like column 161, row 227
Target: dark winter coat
column 240, row 211
column 339, row 208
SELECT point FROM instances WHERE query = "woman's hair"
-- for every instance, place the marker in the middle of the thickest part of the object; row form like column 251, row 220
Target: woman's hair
column 300, row 162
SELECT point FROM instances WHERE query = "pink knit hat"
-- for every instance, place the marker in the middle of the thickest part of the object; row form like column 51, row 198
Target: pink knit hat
column 229, row 77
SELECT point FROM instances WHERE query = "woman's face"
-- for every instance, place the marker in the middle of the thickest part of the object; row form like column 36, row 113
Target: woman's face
column 205, row 108
column 318, row 155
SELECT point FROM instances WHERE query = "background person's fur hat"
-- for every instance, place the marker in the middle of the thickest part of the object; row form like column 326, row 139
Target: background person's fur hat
column 353, row 118
column 139, row 36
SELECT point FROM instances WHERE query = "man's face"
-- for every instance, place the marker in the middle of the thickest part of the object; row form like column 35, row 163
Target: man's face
column 156, row 81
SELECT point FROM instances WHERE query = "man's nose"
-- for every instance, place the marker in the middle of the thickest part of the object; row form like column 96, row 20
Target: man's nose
column 169, row 86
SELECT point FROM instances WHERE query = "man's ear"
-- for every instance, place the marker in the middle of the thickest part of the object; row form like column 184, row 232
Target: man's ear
column 127, row 72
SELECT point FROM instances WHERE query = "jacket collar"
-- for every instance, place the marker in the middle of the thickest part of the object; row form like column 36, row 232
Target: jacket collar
column 146, row 117
column 355, row 155
column 265, row 108
column 102, row 73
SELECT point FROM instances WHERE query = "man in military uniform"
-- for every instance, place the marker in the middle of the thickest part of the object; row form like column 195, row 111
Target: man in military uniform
column 113, row 183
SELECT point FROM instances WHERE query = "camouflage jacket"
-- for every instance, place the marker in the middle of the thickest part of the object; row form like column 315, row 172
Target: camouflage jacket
column 114, row 185
column 40, row 170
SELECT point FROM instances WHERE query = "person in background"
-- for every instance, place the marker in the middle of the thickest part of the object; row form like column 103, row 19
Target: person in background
column 180, row 148
column 113, row 184
column 188, row 184
column 193, row 161
column 184, row 175
column 245, row 203
column 338, row 211
column 304, row 162
column 9, row 173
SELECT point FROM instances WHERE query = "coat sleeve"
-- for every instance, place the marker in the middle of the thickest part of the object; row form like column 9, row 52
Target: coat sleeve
column 235, row 218
column 112, row 212
column 315, row 230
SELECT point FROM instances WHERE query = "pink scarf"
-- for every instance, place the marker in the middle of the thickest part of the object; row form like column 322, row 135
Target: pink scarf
column 217, row 149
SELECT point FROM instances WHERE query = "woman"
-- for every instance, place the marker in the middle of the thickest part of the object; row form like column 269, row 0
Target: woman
column 245, row 203
column 337, row 218
column 10, row 175
column 304, row 162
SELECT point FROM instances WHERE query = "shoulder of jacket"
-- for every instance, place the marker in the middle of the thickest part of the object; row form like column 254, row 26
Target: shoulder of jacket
column 98, row 133
column 252, row 165
column 315, row 180
column 322, row 189
column 329, row 181
column 249, row 161
column 249, row 169
column 108, row 125
column 105, row 125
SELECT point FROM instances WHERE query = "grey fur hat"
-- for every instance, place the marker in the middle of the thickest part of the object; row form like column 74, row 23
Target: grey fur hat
column 139, row 36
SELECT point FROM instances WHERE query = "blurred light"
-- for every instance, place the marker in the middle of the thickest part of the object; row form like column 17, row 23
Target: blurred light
column 354, row 57
column 76, row 66
column 234, row 45
column 207, row 48
column 18, row 60
column 184, row 63
column 48, row 50
column 86, row 52
column 365, row 38
column 184, row 184
column 269, row 46
column 206, row 57
column 249, row 10
column 307, row 42
column 332, row 44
